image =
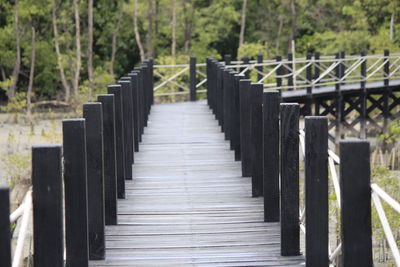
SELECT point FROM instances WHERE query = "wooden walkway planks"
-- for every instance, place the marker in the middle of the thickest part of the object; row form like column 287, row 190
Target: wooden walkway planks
column 188, row 204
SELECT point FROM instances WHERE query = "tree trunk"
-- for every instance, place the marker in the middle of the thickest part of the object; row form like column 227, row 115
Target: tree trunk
column 137, row 34
column 78, row 49
column 156, row 13
column 3, row 73
column 17, row 65
column 150, row 48
column 173, row 46
column 31, row 73
column 392, row 27
column 114, row 37
column 66, row 86
column 90, row 47
column 243, row 23
column 188, row 24
column 278, row 37
column 294, row 25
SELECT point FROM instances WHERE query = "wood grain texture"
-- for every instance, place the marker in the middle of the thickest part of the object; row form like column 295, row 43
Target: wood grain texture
column 110, row 157
column 316, row 181
column 245, row 126
column 47, row 206
column 289, row 132
column 92, row 112
column 256, row 99
column 193, row 80
column 271, row 103
column 136, row 107
column 226, row 91
column 188, row 204
column 75, row 192
column 126, row 94
column 119, row 138
column 356, row 233
column 236, row 116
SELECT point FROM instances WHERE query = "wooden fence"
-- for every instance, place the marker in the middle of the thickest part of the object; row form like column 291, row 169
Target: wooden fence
column 83, row 177
column 265, row 135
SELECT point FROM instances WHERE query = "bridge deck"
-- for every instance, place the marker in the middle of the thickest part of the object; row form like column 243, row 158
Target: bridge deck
column 328, row 91
column 188, row 204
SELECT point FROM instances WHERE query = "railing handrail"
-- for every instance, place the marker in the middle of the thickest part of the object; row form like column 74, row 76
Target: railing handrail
column 23, row 210
column 296, row 70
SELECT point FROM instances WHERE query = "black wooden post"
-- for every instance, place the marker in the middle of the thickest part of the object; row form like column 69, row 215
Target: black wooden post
column 193, row 80
column 290, row 229
column 48, row 227
column 246, row 61
column 211, row 79
column 136, row 107
column 115, row 89
column 236, row 117
column 363, row 96
column 217, row 96
column 227, row 103
column 355, row 203
column 387, row 90
column 128, row 127
column 232, row 110
column 75, row 188
column 144, row 69
column 131, row 77
column 278, row 72
column 316, row 187
column 220, row 95
column 386, row 67
column 227, row 59
column 259, row 68
column 245, row 126
column 338, row 100
column 342, row 55
column 317, row 72
column 256, row 95
column 148, row 84
column 308, row 110
column 141, row 101
column 290, row 77
column 208, row 84
column 317, row 64
column 271, row 101
column 151, row 79
column 5, row 231
column 110, row 158
column 92, row 112
column 131, row 111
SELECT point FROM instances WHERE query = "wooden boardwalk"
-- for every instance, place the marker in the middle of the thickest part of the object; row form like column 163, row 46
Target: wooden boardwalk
column 188, row 204
column 348, row 89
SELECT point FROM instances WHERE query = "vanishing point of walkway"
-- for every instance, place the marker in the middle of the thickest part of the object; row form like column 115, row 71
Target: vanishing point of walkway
column 188, row 204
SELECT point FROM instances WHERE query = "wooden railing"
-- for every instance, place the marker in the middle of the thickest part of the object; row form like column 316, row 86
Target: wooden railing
column 265, row 135
column 283, row 74
column 79, row 181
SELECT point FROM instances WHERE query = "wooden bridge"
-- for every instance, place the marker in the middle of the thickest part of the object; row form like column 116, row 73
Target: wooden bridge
column 200, row 183
column 188, row 204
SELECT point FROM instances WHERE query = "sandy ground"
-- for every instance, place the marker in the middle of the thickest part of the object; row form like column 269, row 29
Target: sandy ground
column 17, row 138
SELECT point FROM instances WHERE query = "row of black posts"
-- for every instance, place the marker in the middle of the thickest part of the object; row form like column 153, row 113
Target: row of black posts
column 86, row 175
column 264, row 134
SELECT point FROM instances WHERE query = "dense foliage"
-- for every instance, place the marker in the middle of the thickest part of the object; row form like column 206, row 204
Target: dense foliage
column 68, row 49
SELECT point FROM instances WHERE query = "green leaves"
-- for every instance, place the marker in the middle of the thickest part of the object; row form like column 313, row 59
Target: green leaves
column 203, row 28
